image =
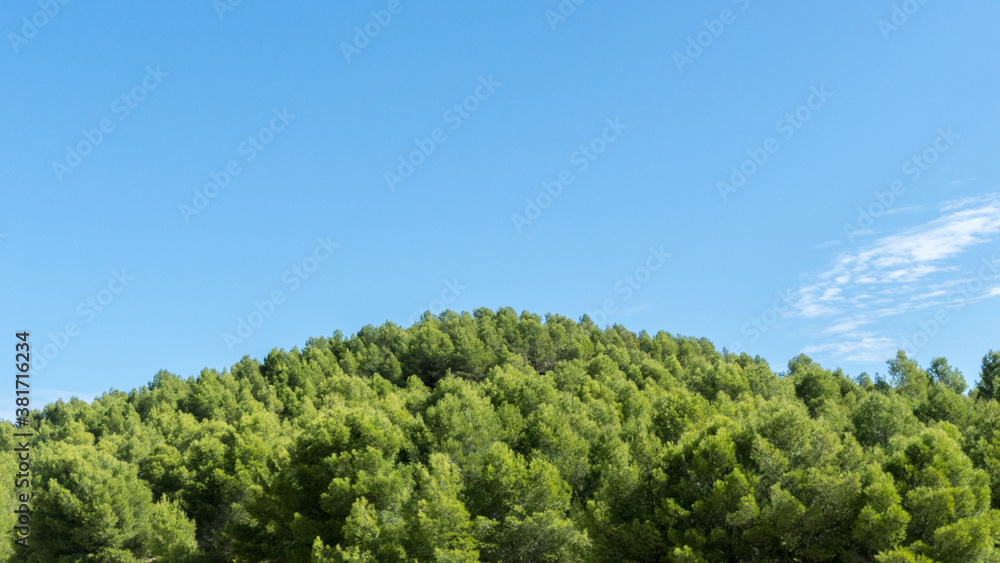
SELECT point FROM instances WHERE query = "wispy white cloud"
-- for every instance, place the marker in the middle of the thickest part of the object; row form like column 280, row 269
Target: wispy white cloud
column 863, row 347
column 957, row 183
column 637, row 309
column 965, row 201
column 846, row 326
column 895, row 210
column 850, row 303
column 827, row 244
column 46, row 396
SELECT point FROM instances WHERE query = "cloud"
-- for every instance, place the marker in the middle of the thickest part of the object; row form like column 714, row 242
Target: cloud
column 863, row 348
column 895, row 210
column 966, row 201
column 830, row 243
column 847, row 326
column 637, row 309
column 46, row 396
column 852, row 303
column 956, row 183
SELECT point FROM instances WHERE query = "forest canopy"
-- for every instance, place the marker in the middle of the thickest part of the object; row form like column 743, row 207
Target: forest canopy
column 493, row 436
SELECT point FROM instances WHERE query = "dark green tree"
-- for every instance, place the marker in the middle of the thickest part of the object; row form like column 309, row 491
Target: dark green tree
column 989, row 377
column 88, row 505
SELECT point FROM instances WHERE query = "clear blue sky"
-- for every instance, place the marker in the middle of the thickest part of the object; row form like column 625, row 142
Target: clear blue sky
column 641, row 122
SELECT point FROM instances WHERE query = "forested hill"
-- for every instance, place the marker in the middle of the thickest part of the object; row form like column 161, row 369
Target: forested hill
column 493, row 436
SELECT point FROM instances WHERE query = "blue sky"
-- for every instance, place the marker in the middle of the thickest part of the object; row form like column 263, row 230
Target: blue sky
column 779, row 179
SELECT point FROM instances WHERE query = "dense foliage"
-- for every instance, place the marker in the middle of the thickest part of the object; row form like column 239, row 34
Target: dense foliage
column 497, row 437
